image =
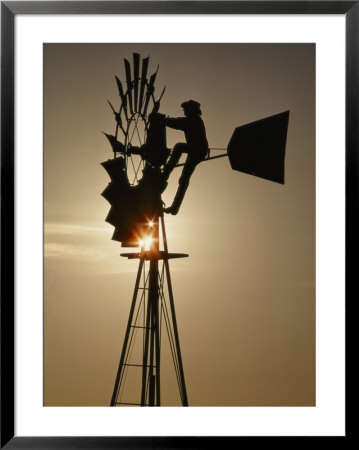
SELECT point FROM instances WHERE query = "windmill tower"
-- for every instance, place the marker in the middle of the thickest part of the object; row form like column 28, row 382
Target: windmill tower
column 136, row 213
column 140, row 150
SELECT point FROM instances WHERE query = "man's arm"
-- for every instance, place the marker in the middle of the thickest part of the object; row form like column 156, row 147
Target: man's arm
column 178, row 123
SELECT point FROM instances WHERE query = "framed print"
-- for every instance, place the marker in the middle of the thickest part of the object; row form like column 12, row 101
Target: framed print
column 249, row 331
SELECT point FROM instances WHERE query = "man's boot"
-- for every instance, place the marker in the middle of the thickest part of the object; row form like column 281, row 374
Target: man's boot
column 174, row 208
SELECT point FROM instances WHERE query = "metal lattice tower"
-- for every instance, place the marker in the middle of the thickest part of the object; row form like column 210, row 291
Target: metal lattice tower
column 152, row 315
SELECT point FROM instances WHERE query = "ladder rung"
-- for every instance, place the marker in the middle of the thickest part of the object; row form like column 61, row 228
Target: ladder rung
column 126, row 403
column 137, row 365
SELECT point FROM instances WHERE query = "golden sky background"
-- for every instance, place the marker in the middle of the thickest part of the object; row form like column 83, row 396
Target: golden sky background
column 245, row 298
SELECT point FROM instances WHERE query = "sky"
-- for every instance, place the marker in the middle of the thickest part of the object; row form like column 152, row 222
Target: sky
column 245, row 297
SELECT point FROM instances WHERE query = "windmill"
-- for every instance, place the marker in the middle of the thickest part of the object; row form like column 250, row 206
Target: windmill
column 134, row 192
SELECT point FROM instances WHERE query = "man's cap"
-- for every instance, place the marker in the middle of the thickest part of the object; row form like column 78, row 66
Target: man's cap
column 192, row 104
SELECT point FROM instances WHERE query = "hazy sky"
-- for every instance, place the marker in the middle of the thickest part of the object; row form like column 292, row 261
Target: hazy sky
column 245, row 298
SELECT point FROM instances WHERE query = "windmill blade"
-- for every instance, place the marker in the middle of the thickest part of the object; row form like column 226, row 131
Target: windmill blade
column 258, row 148
column 123, row 96
column 120, row 195
column 150, row 90
column 163, row 91
column 156, row 106
column 131, row 206
column 111, row 106
column 116, row 168
column 136, row 74
column 117, row 118
column 117, row 115
column 117, row 146
column 129, row 84
column 143, row 81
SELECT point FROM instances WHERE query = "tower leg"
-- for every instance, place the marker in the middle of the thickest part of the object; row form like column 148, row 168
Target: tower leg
column 158, row 353
column 151, row 354
column 182, row 382
column 145, row 355
column 127, row 334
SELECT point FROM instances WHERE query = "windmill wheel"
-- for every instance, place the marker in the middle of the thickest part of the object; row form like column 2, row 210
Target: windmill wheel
column 132, row 119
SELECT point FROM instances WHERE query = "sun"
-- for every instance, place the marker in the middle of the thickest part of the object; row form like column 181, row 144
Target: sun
column 145, row 243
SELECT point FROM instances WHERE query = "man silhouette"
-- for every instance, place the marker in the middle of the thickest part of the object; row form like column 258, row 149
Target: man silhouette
column 196, row 147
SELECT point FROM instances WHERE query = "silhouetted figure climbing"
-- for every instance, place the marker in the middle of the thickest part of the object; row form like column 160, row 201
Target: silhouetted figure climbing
column 196, row 147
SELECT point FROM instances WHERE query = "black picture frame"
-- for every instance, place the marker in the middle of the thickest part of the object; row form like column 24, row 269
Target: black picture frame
column 9, row 10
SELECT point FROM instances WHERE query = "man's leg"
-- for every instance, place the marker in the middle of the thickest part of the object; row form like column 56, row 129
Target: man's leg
column 176, row 154
column 183, row 184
